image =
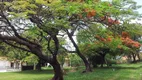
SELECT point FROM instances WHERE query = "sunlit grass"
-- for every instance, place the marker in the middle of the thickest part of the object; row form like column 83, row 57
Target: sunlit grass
column 116, row 72
column 26, row 75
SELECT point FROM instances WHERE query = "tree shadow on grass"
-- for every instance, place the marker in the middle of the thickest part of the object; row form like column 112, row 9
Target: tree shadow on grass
column 121, row 67
column 48, row 71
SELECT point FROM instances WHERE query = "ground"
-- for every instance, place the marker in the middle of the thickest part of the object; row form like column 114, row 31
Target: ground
column 116, row 72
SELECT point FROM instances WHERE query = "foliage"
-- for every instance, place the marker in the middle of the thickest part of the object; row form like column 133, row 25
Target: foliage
column 103, row 39
column 127, row 41
column 62, row 55
column 31, row 59
column 96, row 43
column 17, row 54
column 75, row 60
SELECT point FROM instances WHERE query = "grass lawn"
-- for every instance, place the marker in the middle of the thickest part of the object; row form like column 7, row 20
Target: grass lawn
column 117, row 72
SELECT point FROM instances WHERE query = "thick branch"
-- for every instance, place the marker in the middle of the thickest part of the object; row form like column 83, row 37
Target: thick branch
column 13, row 38
column 56, row 43
column 24, row 49
column 33, row 48
column 88, row 68
column 68, row 50
column 48, row 47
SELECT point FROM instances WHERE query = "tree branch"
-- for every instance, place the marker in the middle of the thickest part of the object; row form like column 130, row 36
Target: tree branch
column 24, row 49
column 48, row 45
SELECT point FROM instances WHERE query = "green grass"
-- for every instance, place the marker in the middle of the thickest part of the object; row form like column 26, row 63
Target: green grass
column 117, row 72
column 26, row 75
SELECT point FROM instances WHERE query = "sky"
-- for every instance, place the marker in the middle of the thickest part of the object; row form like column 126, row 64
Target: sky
column 139, row 2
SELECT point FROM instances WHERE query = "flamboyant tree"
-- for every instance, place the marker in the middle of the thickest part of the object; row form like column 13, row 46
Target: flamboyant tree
column 111, row 16
column 133, row 45
column 85, row 12
column 100, row 43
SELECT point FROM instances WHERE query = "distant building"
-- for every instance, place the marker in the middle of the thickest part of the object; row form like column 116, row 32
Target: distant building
column 7, row 65
column 4, row 63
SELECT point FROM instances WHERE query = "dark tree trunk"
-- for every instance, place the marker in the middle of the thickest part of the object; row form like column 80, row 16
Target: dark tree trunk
column 103, row 59
column 38, row 66
column 102, row 62
column 58, row 72
column 86, row 62
column 134, row 57
column 87, row 65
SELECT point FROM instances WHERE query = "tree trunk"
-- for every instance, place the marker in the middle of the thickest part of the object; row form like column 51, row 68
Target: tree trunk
column 86, row 62
column 138, row 55
column 134, row 58
column 38, row 66
column 58, row 72
column 103, row 59
column 87, row 65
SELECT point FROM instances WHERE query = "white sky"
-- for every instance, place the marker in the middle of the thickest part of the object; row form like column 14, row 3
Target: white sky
column 139, row 2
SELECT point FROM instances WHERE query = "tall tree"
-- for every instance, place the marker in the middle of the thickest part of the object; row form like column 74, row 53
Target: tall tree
column 14, row 18
column 93, row 12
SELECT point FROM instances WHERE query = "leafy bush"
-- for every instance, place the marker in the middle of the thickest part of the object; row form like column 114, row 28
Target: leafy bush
column 75, row 60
